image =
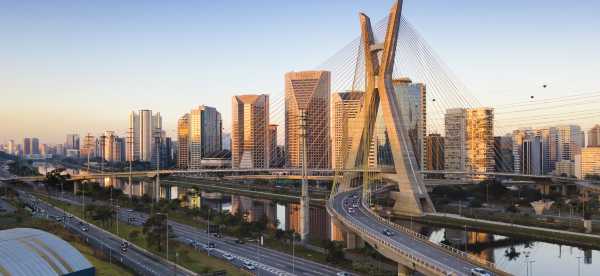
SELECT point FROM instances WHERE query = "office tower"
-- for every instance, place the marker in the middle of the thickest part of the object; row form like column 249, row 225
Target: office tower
column 113, row 147
column 273, row 145
column 345, row 109
column 226, row 141
column 594, row 136
column 250, row 143
column 88, row 147
column 166, row 154
column 532, row 158
column 72, row 141
column 119, row 149
column 412, row 100
column 518, row 137
column 205, row 134
column 11, row 147
column 565, row 142
column 100, row 147
column 60, row 149
column 35, row 146
column 307, row 92
column 587, row 163
column 544, row 134
column 27, row 146
column 503, row 148
column 434, row 152
column 144, row 131
column 44, row 150
column 183, row 144
column 469, row 140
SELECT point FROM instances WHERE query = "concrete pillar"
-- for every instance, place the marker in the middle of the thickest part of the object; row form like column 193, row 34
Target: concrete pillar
column 404, row 270
column 564, row 189
column 354, row 241
column 587, row 224
column 337, row 234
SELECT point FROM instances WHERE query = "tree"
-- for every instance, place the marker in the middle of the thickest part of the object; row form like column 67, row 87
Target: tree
column 335, row 252
column 155, row 230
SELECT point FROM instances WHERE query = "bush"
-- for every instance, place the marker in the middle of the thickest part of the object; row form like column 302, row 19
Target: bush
column 475, row 203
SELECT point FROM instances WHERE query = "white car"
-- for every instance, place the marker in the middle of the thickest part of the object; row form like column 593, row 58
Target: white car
column 480, row 272
column 342, row 273
column 228, row 257
column 250, row 267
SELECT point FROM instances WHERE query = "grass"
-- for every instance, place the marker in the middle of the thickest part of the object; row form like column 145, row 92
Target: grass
column 103, row 267
column 197, row 261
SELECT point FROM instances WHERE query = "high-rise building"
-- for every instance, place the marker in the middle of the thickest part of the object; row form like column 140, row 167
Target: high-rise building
column 114, row 147
column 35, row 146
column 587, row 163
column 412, row 100
column 594, row 136
column 27, row 146
column 205, row 134
column 434, row 152
column 532, row 158
column 72, row 141
column 144, row 131
column 100, row 147
column 518, row 137
column 183, row 143
column 565, row 143
column 503, row 147
column 469, row 140
column 345, row 110
column 88, row 147
column 272, row 145
column 11, row 147
column 250, row 143
column 307, row 93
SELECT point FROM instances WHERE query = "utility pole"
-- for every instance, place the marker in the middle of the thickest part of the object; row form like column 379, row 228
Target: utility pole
column 157, row 190
column 304, row 199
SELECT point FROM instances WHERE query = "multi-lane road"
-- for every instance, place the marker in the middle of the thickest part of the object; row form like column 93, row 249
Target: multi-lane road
column 137, row 259
column 406, row 242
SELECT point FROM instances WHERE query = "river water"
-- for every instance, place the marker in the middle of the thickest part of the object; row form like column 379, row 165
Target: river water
column 518, row 257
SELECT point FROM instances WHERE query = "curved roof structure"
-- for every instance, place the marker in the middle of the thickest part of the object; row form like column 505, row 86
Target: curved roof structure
column 27, row 251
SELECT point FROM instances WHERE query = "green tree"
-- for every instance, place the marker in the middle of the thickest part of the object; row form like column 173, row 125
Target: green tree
column 335, row 252
column 155, row 230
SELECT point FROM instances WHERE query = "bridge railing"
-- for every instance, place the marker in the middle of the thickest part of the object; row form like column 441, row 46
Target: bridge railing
column 425, row 239
column 431, row 265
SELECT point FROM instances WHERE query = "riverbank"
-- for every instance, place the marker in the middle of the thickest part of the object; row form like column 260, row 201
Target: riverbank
column 507, row 229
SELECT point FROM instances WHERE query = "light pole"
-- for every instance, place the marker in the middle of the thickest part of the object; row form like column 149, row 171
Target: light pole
column 527, row 261
column 578, row 265
column 118, row 220
column 167, row 231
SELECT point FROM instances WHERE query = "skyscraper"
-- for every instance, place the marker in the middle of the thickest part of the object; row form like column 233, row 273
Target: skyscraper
column 27, row 146
column 88, row 147
column 307, row 92
column 11, row 147
column 205, row 134
column 504, row 153
column 144, row 131
column 434, row 152
column 412, row 99
column 587, row 163
column 469, row 140
column 35, row 146
column 272, row 144
column 345, row 109
column 532, row 159
column 72, row 141
column 250, row 131
column 111, row 150
column 518, row 137
column 183, row 143
column 594, row 136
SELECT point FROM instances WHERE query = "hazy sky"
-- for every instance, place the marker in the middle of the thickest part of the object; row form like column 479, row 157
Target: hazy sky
column 81, row 66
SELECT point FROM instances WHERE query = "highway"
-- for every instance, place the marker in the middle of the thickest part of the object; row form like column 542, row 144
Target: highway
column 266, row 261
column 406, row 242
column 140, row 261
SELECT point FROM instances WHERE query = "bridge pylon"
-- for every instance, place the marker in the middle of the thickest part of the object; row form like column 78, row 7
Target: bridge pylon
column 412, row 197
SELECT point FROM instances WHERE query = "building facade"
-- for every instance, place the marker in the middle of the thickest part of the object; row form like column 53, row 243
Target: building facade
column 345, row 110
column 412, row 99
column 594, row 136
column 72, row 141
column 307, row 92
column 469, row 140
column 587, row 163
column 250, row 140
column 434, row 152
column 183, row 142
column 144, row 131
column 205, row 134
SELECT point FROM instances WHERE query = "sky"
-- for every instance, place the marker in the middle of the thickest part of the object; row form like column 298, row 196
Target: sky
column 82, row 66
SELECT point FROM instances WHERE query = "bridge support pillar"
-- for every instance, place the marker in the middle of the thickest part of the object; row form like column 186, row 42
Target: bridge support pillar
column 404, row 270
column 354, row 241
column 563, row 189
column 337, row 234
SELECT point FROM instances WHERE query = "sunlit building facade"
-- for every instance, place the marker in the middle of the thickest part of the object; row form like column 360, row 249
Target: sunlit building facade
column 345, row 110
column 250, row 140
column 205, row 134
column 307, row 91
column 183, row 142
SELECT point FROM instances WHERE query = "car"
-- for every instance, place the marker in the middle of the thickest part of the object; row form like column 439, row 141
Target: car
column 217, row 235
column 124, row 244
column 250, row 267
column 129, row 210
column 228, row 257
column 70, row 216
column 211, row 245
column 342, row 273
column 478, row 271
column 355, row 205
column 84, row 228
column 388, row 233
column 240, row 241
column 123, row 250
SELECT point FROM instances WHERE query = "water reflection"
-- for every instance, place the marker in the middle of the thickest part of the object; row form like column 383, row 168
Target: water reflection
column 513, row 255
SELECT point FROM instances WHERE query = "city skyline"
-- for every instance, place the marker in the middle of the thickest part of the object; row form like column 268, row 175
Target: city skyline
column 100, row 99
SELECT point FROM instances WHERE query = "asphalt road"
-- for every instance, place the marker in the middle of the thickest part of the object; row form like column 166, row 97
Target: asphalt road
column 404, row 241
column 134, row 258
column 266, row 261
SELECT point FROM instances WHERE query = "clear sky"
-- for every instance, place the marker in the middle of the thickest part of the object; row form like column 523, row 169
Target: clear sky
column 81, row 66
